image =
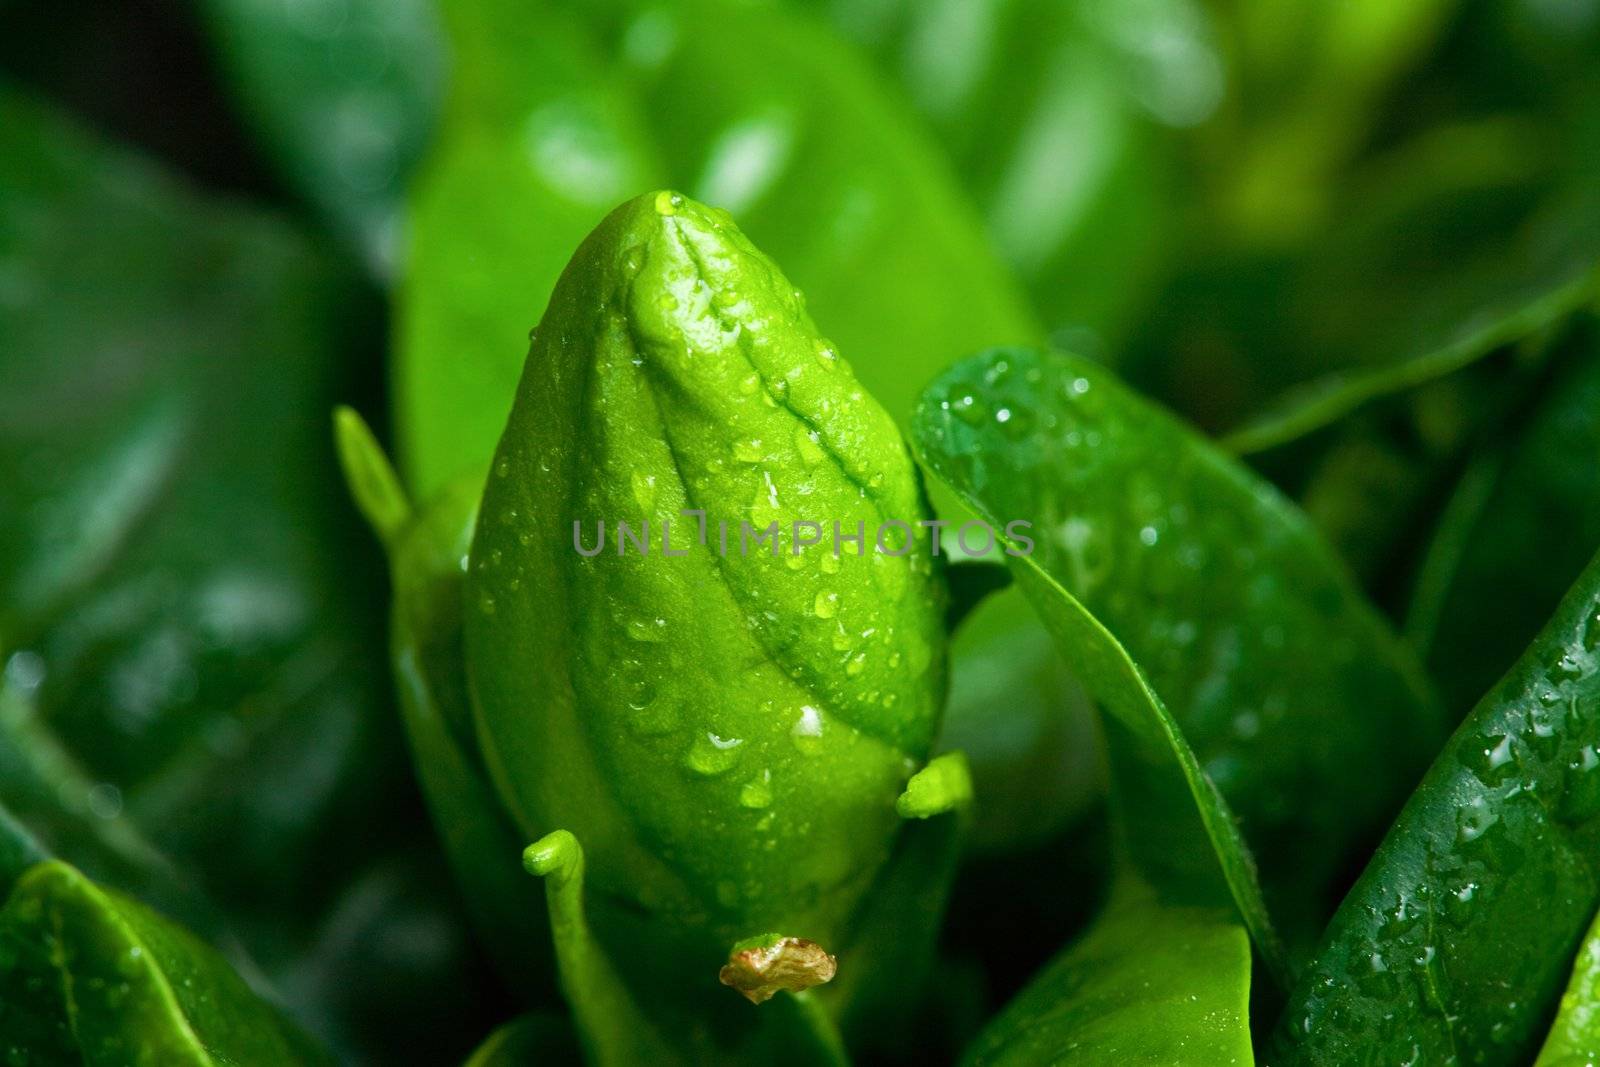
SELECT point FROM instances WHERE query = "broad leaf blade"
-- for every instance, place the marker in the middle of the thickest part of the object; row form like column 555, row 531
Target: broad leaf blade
column 184, row 604
column 1058, row 119
column 1173, row 556
column 1454, row 943
column 1147, row 984
column 1176, row 827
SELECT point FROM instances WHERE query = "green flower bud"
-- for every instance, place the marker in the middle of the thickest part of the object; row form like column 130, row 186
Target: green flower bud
column 723, row 726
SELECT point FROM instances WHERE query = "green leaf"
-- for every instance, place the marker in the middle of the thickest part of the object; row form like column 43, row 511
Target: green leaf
column 186, row 614
column 1574, row 1037
column 1521, row 526
column 1453, row 945
column 1058, row 120
column 51, row 807
column 1270, row 344
column 1471, row 336
column 1150, row 546
column 176, row 595
column 1180, row 833
column 532, row 129
column 89, row 976
column 1149, row 983
column 342, row 98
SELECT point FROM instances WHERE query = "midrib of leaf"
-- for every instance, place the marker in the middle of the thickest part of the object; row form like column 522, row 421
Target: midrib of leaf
column 157, row 977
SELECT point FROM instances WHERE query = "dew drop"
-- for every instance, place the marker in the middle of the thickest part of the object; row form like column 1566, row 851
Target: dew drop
column 807, row 731
column 757, row 792
column 644, row 491
column 712, row 755
column 652, row 631
column 808, row 443
column 826, row 606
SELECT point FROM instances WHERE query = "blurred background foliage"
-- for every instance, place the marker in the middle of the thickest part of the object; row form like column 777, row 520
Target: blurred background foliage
column 1353, row 241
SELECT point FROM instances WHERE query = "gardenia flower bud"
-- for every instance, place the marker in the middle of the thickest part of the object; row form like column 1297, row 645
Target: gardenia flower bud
column 723, row 723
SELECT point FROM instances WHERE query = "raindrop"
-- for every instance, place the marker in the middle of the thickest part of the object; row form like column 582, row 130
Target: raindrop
column 807, row 731
column 712, row 755
column 757, row 792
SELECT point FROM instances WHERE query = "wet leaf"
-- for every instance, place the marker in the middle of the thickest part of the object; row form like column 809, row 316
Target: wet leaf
column 1176, row 828
column 1150, row 546
column 191, row 635
column 1453, row 945
column 87, row 975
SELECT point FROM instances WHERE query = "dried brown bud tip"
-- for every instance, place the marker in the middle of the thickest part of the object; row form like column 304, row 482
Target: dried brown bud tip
column 760, row 968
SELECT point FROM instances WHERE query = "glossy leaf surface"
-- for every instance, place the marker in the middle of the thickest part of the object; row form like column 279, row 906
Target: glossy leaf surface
column 189, row 620
column 174, row 601
column 1185, row 563
column 1455, row 942
column 1147, row 984
column 87, row 975
column 1180, row 833
column 1574, row 1037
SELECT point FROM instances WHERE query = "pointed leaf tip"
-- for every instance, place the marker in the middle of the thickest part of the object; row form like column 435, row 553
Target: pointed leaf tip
column 371, row 478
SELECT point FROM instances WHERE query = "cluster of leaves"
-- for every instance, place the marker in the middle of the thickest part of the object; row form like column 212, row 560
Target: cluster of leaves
column 1284, row 739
